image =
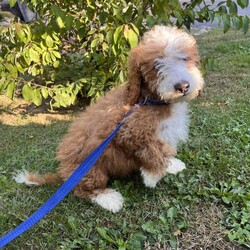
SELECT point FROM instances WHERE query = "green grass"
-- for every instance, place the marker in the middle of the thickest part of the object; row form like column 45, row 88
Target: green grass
column 206, row 206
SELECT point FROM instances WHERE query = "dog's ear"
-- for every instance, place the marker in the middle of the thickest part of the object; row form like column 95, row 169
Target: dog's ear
column 133, row 86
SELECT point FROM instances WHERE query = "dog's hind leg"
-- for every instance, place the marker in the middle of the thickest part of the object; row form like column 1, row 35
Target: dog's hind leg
column 93, row 187
column 106, row 198
column 109, row 199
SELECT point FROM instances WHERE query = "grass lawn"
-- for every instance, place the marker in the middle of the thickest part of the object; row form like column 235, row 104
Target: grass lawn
column 207, row 206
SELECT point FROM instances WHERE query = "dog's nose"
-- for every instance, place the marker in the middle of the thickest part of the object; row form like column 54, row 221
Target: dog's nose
column 182, row 87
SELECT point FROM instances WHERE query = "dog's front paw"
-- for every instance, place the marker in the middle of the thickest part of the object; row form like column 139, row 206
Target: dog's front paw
column 109, row 199
column 149, row 179
column 175, row 166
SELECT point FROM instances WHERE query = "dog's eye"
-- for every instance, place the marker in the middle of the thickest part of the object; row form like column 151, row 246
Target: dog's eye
column 186, row 59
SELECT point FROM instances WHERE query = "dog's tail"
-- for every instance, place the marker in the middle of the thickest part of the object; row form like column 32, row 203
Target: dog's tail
column 33, row 179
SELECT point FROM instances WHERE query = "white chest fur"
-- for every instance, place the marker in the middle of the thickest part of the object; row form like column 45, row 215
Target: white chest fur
column 174, row 129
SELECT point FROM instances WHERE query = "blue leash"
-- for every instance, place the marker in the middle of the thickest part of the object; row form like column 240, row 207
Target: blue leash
column 69, row 184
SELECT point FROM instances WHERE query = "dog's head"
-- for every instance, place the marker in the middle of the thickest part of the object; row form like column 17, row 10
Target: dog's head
column 164, row 66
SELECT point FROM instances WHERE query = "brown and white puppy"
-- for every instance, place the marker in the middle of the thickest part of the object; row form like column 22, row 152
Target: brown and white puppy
column 163, row 67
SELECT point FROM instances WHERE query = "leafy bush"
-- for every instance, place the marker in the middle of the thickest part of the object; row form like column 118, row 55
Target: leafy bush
column 80, row 47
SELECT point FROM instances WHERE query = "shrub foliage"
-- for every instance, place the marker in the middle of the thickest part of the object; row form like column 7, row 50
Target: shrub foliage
column 79, row 48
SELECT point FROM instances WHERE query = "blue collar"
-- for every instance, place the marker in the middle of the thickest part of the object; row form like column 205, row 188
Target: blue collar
column 151, row 102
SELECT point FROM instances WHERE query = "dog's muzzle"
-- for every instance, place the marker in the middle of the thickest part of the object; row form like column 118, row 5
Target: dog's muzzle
column 182, row 87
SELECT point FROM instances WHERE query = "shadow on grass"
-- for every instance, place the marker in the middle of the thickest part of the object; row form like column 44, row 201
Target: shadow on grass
column 30, row 146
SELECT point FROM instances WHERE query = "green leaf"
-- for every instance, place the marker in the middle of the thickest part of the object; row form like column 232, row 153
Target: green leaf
column 191, row 14
column 94, row 43
column 226, row 22
column 46, row 58
column 125, row 31
column 218, row 18
column 121, row 76
column 10, row 90
column 27, row 58
column 211, row 15
column 117, row 33
column 103, row 234
column 36, row 97
column 55, row 105
column 12, row 3
column 34, row 55
column 135, row 28
column 173, row 242
column 52, row 56
column 56, row 10
column 105, row 47
column 151, row 227
column 136, row 240
column 68, row 22
column 60, row 22
column 178, row 15
column 27, row 31
column 233, row 9
column 20, row 68
column 20, row 32
column 103, row 16
column 226, row 199
column 92, row 31
column 109, row 36
column 221, row 3
column 243, row 3
column 27, row 92
column 175, row 4
column 56, row 64
column 56, row 54
column 245, row 24
column 90, row 4
column 171, row 213
column 33, row 70
column 150, row 20
column 163, row 219
column 49, row 41
column 45, row 93
column 3, row 84
column 114, row 49
column 12, row 70
column 223, row 9
column 132, row 38
column 236, row 22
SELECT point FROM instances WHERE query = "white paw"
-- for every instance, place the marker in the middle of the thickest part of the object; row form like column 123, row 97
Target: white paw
column 110, row 200
column 23, row 177
column 175, row 166
column 149, row 179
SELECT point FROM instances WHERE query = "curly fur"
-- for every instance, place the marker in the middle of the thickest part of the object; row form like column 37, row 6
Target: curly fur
column 148, row 139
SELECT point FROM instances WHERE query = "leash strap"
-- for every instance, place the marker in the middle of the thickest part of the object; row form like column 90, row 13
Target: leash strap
column 68, row 185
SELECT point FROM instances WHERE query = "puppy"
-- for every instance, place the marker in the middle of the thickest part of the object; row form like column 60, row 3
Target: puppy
column 163, row 68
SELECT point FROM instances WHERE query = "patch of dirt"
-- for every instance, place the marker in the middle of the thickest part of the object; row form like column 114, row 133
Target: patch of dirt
column 205, row 231
column 18, row 111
